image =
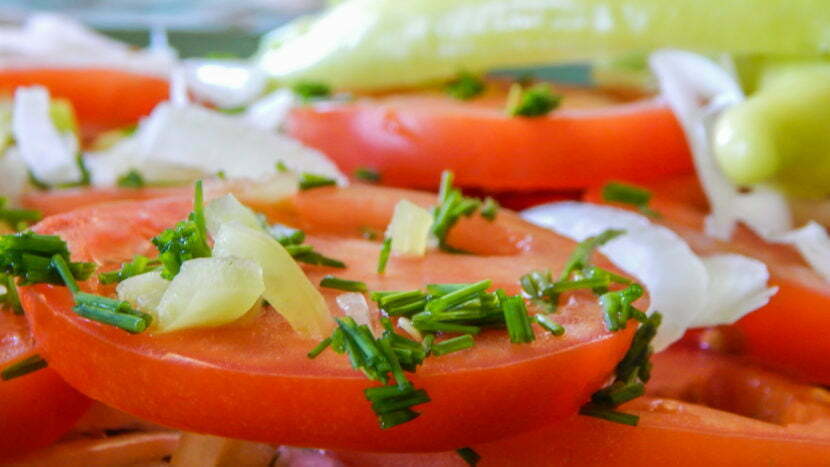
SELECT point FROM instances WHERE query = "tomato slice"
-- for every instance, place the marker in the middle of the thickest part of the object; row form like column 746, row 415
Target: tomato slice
column 787, row 333
column 103, row 99
column 411, row 138
column 252, row 379
column 747, row 416
column 36, row 408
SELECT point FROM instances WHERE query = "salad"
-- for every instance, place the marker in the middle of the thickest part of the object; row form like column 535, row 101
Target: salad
column 382, row 240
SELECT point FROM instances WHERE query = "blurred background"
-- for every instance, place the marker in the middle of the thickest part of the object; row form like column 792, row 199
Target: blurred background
column 196, row 27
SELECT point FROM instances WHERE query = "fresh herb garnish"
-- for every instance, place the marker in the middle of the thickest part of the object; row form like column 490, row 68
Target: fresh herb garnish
column 333, row 282
column 616, row 192
column 453, row 344
column 9, row 299
column 292, row 239
column 489, row 209
column 383, row 258
column 630, row 376
column 309, row 181
column 187, row 240
column 384, row 360
column 452, row 206
column 465, row 86
column 138, row 265
column 17, row 219
column 131, row 179
column 535, row 101
column 367, row 174
column 310, row 90
column 28, row 255
column 469, row 456
column 23, row 367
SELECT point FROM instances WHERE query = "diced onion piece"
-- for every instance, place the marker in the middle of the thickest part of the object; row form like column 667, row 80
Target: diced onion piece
column 676, row 278
column 229, row 209
column 193, row 140
column 210, row 292
column 354, row 305
column 406, row 324
column 48, row 154
column 409, row 229
column 14, row 175
column 287, row 288
column 207, row 450
column 143, row 291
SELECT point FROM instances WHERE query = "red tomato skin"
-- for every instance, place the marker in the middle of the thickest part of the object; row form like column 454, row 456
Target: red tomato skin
column 326, row 410
column 570, row 149
column 35, row 409
column 103, row 98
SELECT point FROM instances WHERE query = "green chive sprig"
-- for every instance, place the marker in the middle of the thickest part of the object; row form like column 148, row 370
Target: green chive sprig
column 624, row 193
column 332, row 282
column 17, row 219
column 23, row 367
column 465, row 86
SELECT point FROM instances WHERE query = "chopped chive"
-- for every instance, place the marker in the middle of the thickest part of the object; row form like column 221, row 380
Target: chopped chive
column 130, row 323
column 28, row 255
column 323, row 345
column 553, row 327
column 186, row 240
column 139, row 265
column 516, row 319
column 281, row 167
column 333, row 282
column 453, row 345
column 619, row 393
column 426, row 325
column 451, row 208
column 469, row 456
column 309, row 181
column 368, row 233
column 581, row 256
column 489, row 209
column 23, row 367
column 457, row 296
column 367, row 174
column 131, row 179
column 286, row 235
column 428, row 342
column 610, row 415
column 465, row 86
column 616, row 192
column 568, row 285
column 66, row 274
column 17, row 219
column 10, row 299
column 535, row 101
column 385, row 250
column 311, row 90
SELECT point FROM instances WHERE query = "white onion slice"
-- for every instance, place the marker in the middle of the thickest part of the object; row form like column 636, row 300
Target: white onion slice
column 270, row 112
column 225, row 83
column 50, row 155
column 14, row 175
column 59, row 42
column 677, row 280
column 355, row 306
column 698, row 90
column 185, row 142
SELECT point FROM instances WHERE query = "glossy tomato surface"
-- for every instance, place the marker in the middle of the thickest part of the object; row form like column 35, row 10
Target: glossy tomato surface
column 252, row 379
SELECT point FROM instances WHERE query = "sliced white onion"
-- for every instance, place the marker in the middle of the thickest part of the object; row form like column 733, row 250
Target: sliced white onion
column 677, row 280
column 698, row 90
column 355, row 306
column 270, row 112
column 225, row 83
column 177, row 142
column 57, row 41
column 50, row 155
column 813, row 244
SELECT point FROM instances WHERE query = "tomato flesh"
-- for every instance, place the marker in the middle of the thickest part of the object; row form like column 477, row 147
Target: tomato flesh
column 252, row 379
column 411, row 138
column 103, row 98
column 37, row 408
